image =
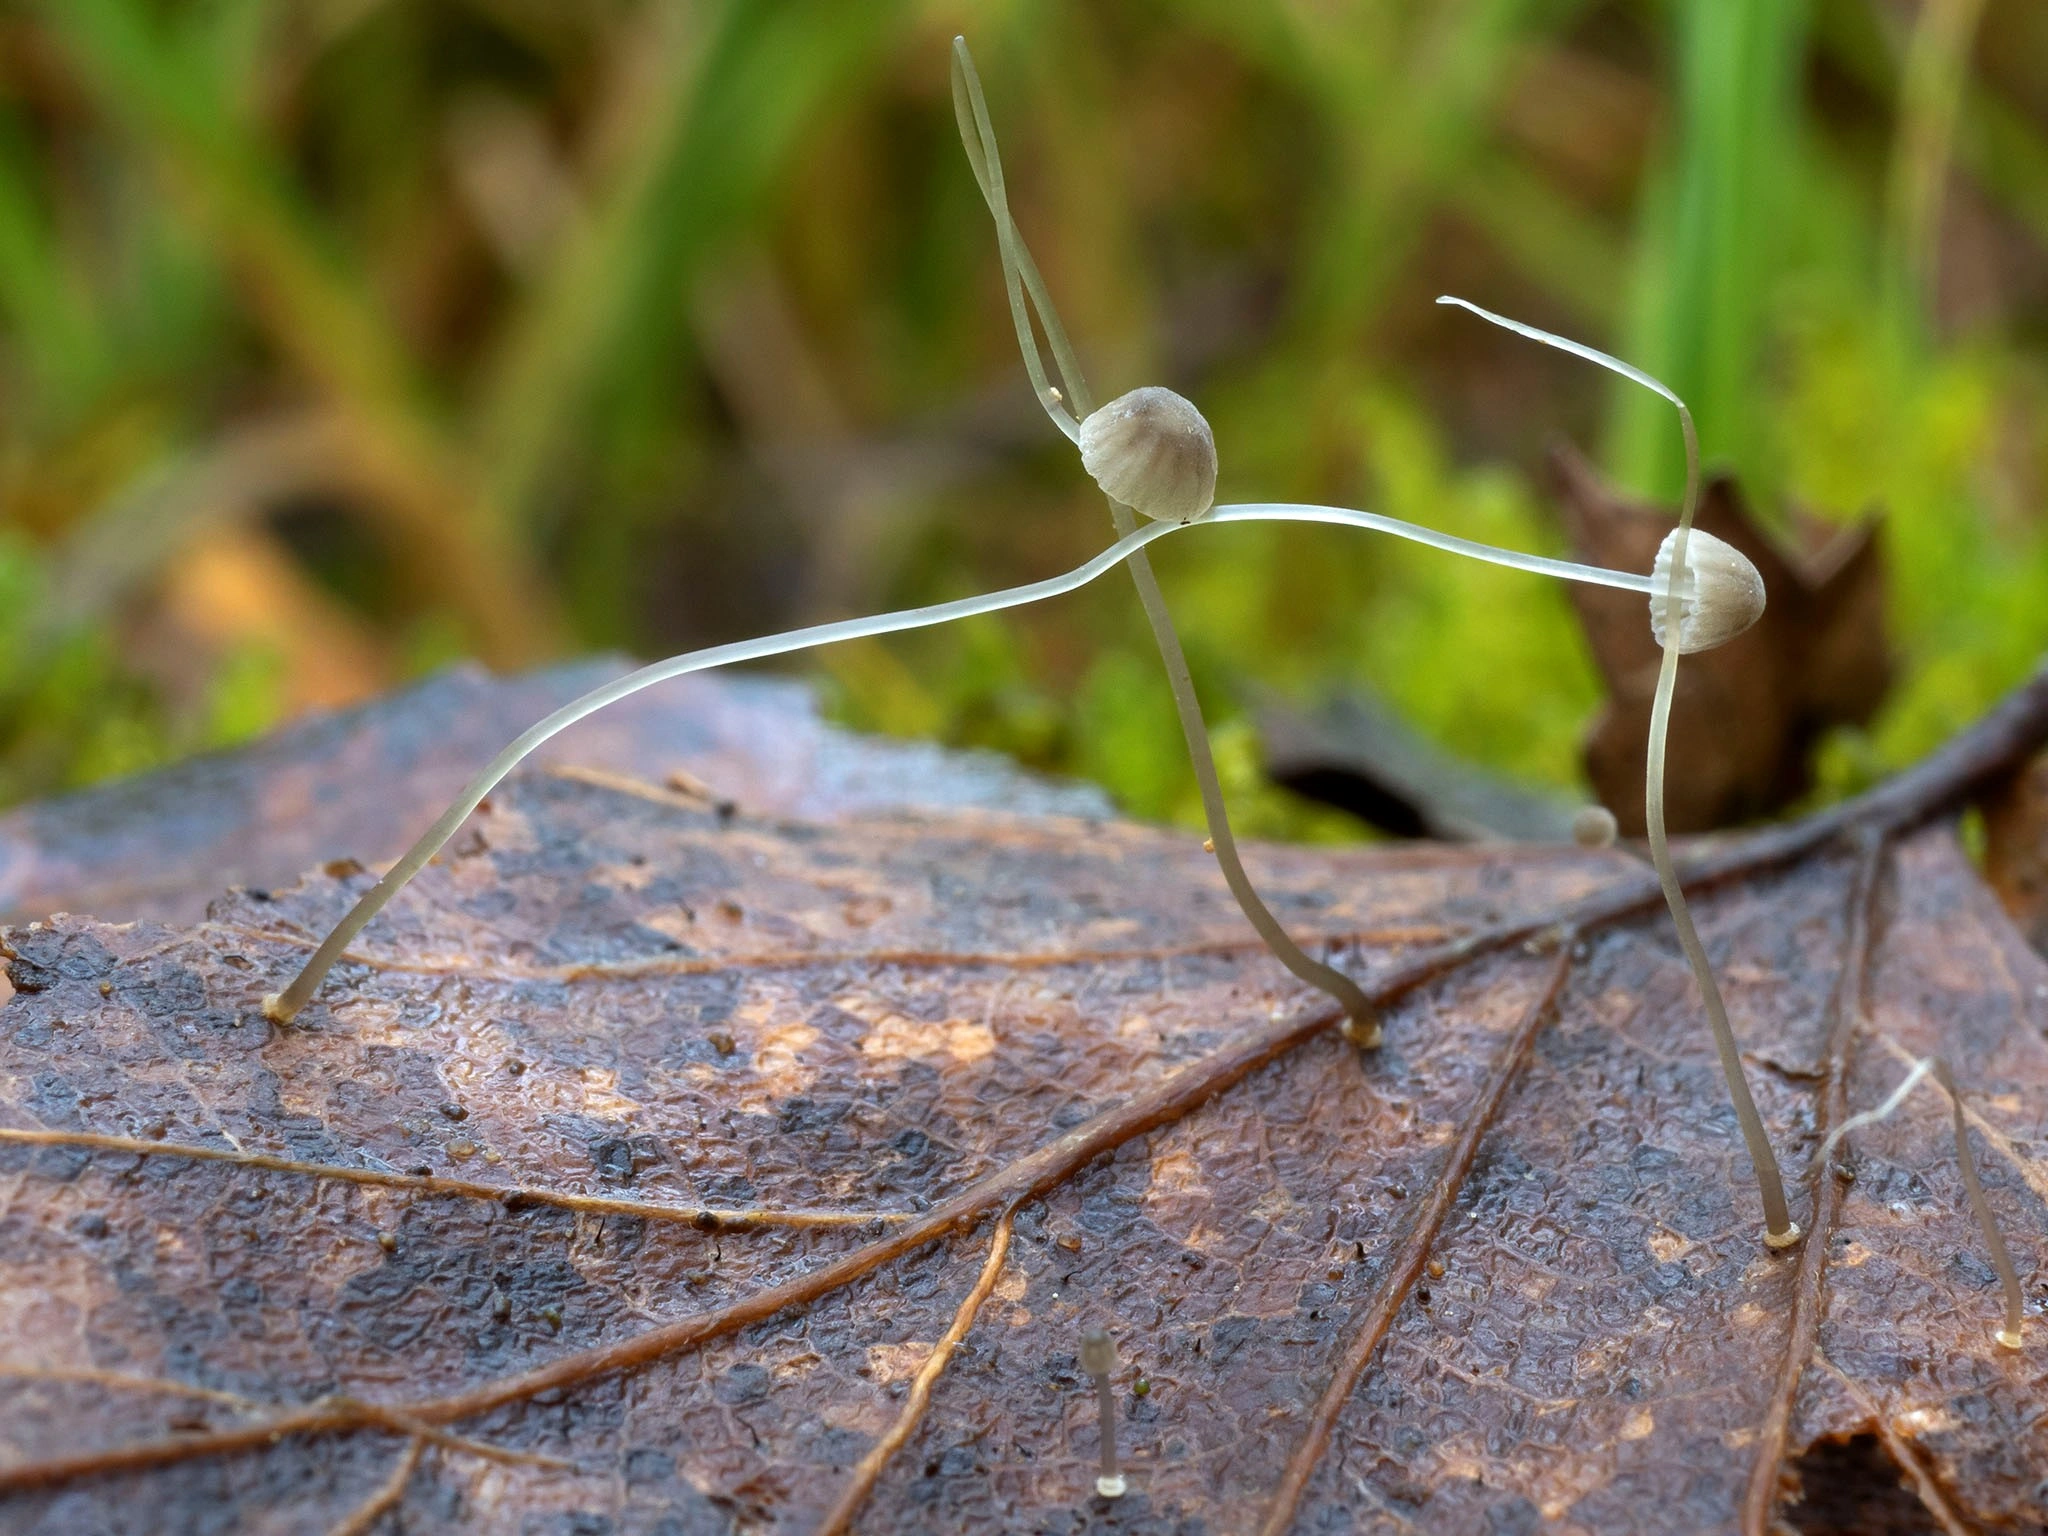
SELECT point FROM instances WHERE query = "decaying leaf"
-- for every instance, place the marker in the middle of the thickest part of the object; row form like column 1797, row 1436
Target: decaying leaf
column 359, row 784
column 627, row 1178
column 1746, row 716
column 1359, row 755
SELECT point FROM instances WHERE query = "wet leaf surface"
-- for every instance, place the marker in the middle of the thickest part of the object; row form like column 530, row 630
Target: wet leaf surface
column 678, row 1038
column 359, row 783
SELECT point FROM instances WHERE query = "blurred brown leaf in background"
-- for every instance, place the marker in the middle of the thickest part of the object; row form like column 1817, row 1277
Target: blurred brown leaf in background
column 1745, row 716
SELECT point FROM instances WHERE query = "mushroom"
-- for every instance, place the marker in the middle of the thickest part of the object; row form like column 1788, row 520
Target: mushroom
column 1722, row 596
column 1098, row 1359
column 2001, row 1260
column 2008, row 1334
column 1593, row 826
column 1152, row 451
column 1705, row 598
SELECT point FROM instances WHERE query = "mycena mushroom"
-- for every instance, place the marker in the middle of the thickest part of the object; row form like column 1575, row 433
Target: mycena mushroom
column 1705, row 594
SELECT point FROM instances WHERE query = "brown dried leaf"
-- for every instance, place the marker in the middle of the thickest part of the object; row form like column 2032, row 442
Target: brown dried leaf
column 1745, row 716
column 1521, row 1240
column 360, row 783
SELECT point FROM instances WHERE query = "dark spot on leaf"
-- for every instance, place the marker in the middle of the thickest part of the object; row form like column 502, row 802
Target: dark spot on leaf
column 614, row 1160
column 1229, row 1334
column 645, row 1464
column 1853, row 1488
column 743, row 1384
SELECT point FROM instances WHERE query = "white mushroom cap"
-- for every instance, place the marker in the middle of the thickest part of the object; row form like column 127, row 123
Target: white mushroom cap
column 1594, row 826
column 1725, row 596
column 1152, row 451
column 1098, row 1352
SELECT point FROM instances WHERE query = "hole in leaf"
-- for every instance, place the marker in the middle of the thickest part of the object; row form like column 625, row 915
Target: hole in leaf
column 1854, row 1487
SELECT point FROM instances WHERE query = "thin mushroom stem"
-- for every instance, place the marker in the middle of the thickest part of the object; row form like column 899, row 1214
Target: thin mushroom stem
column 1780, row 1230
column 2001, row 1259
column 283, row 1006
column 1980, row 1207
column 1020, row 273
column 1098, row 1359
column 1021, row 278
column 1471, row 549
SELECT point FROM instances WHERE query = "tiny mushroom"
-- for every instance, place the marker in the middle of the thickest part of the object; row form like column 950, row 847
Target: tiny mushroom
column 2001, row 1258
column 1593, row 826
column 1098, row 1359
column 1724, row 596
column 1152, row 451
column 1703, row 592
column 2008, row 1334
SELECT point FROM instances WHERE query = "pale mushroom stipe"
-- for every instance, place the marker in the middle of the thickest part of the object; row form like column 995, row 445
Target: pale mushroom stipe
column 1098, row 1359
column 2009, row 1336
column 282, row 1007
column 1692, row 608
column 1152, row 451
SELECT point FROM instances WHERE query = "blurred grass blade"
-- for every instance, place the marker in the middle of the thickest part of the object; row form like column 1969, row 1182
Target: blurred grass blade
column 164, row 91
column 48, row 316
column 1937, row 68
column 2001, row 148
column 1713, row 237
column 715, row 137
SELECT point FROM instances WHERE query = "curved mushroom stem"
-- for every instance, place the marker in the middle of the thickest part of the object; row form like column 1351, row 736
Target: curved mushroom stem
column 2008, row 1335
column 283, row 1006
column 1780, row 1230
column 2001, row 1258
column 1021, row 278
column 1881, row 1113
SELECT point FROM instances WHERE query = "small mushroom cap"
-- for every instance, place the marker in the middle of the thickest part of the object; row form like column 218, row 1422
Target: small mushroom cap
column 1594, row 825
column 1726, row 594
column 1152, row 451
column 1098, row 1352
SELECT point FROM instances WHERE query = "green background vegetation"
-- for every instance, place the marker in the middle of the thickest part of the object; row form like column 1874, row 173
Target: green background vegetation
column 346, row 337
